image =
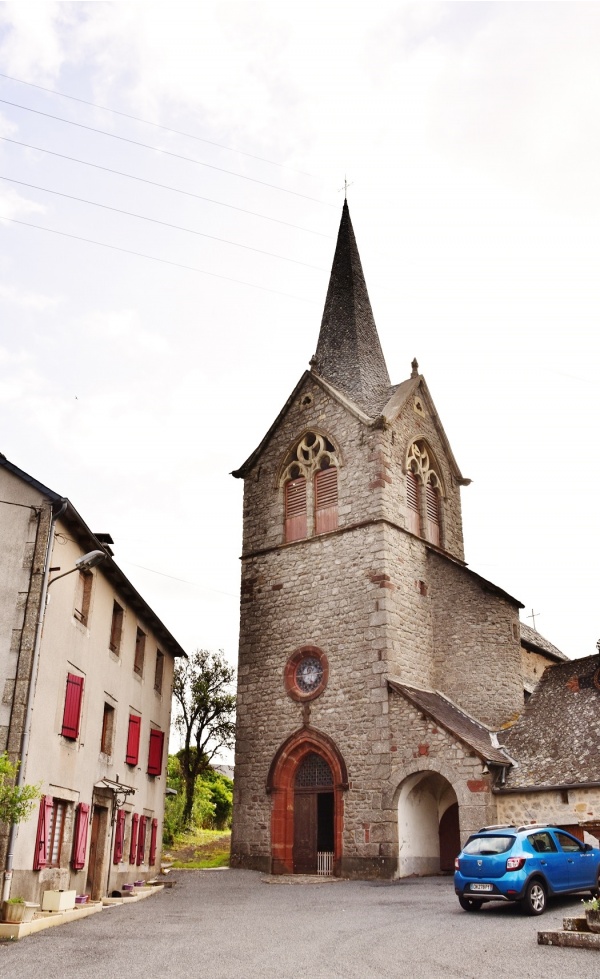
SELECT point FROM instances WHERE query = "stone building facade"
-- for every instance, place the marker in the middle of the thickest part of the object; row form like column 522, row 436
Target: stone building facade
column 374, row 665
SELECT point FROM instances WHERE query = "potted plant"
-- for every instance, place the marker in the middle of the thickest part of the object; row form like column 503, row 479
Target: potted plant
column 592, row 914
column 13, row 910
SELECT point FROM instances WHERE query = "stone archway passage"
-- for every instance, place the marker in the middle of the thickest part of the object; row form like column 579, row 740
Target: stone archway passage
column 307, row 780
column 428, row 820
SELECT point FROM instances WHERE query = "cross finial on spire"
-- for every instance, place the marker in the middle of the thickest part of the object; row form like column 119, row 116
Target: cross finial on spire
column 345, row 187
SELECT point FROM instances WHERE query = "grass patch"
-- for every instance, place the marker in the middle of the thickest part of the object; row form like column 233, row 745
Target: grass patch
column 200, row 849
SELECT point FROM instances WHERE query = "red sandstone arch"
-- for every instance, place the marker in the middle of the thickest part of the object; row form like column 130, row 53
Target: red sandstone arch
column 280, row 784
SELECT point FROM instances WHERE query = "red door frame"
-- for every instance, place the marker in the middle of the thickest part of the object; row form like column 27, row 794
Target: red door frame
column 280, row 785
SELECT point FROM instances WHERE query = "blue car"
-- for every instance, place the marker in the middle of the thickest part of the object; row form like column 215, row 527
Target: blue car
column 525, row 864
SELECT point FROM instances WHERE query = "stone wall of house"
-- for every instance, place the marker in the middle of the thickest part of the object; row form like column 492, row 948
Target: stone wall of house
column 477, row 653
column 532, row 666
column 566, row 807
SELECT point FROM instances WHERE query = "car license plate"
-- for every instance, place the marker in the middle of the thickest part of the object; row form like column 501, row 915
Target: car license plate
column 481, row 887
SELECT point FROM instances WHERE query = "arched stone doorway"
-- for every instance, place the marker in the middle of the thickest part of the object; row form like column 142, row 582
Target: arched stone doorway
column 428, row 824
column 306, row 780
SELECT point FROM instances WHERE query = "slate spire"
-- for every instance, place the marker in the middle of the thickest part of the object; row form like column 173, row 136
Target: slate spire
column 349, row 354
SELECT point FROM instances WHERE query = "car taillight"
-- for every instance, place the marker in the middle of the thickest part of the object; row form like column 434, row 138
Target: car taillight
column 515, row 863
column 456, row 864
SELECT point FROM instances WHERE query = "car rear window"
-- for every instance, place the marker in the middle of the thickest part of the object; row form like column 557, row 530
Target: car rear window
column 489, row 844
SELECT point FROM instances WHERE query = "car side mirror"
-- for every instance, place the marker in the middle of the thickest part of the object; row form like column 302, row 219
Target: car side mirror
column 587, row 847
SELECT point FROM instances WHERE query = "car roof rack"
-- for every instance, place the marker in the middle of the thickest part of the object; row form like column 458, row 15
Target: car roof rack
column 497, row 826
column 525, row 826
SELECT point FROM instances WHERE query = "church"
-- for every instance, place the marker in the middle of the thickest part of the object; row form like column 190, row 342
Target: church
column 376, row 670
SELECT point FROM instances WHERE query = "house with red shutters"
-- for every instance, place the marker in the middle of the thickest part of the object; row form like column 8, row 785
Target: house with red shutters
column 86, row 672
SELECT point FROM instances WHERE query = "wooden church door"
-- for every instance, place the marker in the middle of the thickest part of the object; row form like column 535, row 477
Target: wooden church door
column 313, row 813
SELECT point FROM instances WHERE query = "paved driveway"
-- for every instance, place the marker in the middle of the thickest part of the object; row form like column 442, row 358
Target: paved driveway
column 231, row 925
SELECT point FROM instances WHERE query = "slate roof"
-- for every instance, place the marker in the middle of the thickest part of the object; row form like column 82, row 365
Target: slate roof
column 533, row 640
column 556, row 741
column 464, row 727
column 349, row 353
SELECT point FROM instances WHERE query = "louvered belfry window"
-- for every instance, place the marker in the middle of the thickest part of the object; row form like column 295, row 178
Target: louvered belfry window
column 412, row 501
column 433, row 515
column 295, row 509
column 326, row 500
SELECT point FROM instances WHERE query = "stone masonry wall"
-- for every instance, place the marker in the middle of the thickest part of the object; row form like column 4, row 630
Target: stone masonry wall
column 418, row 744
column 477, row 658
column 561, row 808
column 406, row 428
column 532, row 666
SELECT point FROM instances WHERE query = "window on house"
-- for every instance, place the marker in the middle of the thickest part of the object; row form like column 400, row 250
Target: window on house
column 116, row 628
column 310, row 487
column 140, row 647
column 108, row 722
column 133, row 739
column 83, row 596
column 72, row 708
column 155, row 751
column 56, row 832
column 158, row 671
column 422, row 472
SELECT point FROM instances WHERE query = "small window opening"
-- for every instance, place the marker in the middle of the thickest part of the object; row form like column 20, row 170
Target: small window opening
column 83, row 596
column 108, row 725
column 158, row 671
column 116, row 628
column 140, row 647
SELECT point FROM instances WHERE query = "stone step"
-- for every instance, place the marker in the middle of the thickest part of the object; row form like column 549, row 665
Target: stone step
column 569, row 939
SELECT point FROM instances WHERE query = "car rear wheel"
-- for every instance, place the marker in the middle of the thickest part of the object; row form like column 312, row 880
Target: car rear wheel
column 468, row 904
column 534, row 901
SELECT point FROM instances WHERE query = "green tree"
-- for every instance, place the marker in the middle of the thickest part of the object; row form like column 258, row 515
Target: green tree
column 16, row 801
column 204, row 716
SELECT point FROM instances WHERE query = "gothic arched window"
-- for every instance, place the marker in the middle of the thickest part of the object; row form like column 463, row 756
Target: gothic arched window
column 310, row 487
column 423, row 493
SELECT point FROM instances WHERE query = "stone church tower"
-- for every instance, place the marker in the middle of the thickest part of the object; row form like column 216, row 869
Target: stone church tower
column 373, row 664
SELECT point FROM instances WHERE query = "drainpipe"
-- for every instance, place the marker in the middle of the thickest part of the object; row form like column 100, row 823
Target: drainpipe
column 31, row 696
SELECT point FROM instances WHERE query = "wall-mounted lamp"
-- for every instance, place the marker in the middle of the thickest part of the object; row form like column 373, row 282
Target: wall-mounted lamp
column 84, row 563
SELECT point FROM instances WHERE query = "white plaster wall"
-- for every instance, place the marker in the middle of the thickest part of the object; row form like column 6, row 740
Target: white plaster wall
column 70, row 769
column 423, row 799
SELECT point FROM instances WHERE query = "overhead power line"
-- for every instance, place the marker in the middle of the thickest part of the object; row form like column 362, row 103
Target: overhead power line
column 165, row 224
column 174, row 190
column 158, row 149
column 153, row 258
column 156, row 125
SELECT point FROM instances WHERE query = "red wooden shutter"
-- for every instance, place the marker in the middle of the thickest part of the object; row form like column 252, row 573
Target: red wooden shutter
column 72, row 711
column 80, row 835
column 412, row 501
column 295, row 509
column 141, row 841
column 153, row 835
column 40, row 856
column 133, row 842
column 133, row 739
column 155, row 752
column 433, row 515
column 119, row 836
column 326, row 500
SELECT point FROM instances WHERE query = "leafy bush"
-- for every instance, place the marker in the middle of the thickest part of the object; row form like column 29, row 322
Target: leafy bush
column 213, row 801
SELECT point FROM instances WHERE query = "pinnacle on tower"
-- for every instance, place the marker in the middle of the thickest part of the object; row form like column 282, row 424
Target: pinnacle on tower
column 349, row 354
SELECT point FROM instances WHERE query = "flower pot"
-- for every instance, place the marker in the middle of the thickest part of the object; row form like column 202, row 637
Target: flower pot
column 13, row 914
column 593, row 921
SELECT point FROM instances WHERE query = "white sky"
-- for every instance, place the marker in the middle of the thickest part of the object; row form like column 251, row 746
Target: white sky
column 470, row 133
